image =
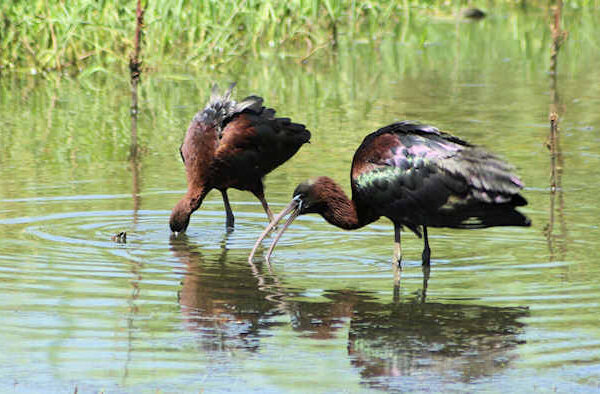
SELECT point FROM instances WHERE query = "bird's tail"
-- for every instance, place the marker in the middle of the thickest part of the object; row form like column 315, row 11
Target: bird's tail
column 490, row 216
column 505, row 217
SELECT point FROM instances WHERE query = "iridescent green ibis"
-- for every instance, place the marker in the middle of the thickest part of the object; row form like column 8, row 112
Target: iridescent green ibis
column 418, row 177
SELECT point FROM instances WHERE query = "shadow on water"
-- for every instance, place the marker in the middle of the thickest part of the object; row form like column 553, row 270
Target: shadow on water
column 553, row 144
column 135, row 266
column 231, row 305
column 133, row 312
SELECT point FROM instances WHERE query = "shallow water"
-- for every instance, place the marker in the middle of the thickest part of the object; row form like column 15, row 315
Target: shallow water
column 505, row 309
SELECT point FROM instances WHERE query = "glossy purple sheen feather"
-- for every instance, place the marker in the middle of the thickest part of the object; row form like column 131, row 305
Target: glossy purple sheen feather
column 416, row 175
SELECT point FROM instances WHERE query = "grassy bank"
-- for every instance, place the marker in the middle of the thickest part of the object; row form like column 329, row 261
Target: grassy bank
column 85, row 35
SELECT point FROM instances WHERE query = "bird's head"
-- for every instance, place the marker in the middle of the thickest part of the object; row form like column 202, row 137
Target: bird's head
column 311, row 196
column 180, row 217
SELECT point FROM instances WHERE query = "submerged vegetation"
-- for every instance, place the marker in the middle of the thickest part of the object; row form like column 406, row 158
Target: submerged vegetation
column 44, row 35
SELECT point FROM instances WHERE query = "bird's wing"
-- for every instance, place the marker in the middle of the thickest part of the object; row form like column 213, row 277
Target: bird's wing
column 418, row 168
column 254, row 136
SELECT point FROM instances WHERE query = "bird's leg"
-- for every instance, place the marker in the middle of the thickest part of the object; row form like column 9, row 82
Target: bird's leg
column 426, row 272
column 397, row 247
column 426, row 250
column 397, row 261
column 230, row 219
column 261, row 196
column 267, row 209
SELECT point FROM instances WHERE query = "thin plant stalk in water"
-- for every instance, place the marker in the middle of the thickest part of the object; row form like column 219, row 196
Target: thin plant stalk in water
column 135, row 71
column 553, row 142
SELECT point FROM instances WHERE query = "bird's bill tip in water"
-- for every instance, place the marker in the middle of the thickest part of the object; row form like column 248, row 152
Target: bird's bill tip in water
column 178, row 235
column 294, row 207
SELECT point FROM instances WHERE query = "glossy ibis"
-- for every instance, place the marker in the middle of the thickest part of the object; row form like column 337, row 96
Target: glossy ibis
column 417, row 177
column 233, row 145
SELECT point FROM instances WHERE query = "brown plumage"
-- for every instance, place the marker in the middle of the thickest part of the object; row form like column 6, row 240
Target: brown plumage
column 233, row 145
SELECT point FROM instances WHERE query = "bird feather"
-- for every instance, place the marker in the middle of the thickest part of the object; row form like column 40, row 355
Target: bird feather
column 413, row 171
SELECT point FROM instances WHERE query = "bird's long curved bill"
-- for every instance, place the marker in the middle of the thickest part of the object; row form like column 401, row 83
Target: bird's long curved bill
column 292, row 207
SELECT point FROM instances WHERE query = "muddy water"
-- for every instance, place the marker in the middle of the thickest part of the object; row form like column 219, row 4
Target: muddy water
column 507, row 309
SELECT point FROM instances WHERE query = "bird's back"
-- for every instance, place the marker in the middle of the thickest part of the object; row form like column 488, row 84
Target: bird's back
column 416, row 175
column 255, row 136
column 235, row 144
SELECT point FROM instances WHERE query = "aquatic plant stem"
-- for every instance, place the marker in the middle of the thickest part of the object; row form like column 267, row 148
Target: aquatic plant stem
column 135, row 71
column 553, row 142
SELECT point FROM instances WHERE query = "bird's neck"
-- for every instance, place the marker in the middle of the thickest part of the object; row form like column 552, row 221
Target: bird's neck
column 194, row 196
column 342, row 212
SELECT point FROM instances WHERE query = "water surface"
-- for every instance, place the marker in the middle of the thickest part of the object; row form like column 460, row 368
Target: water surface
column 506, row 309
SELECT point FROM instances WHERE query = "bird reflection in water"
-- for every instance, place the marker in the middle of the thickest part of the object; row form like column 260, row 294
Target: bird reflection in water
column 223, row 300
column 232, row 305
column 410, row 342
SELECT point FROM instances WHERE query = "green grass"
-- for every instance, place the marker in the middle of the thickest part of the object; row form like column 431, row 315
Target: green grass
column 444, row 54
column 89, row 36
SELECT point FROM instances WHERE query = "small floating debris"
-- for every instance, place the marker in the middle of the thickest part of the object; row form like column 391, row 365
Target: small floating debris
column 472, row 13
column 120, row 238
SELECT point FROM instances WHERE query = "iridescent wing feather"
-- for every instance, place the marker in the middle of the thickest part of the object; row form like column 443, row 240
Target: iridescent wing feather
column 417, row 175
